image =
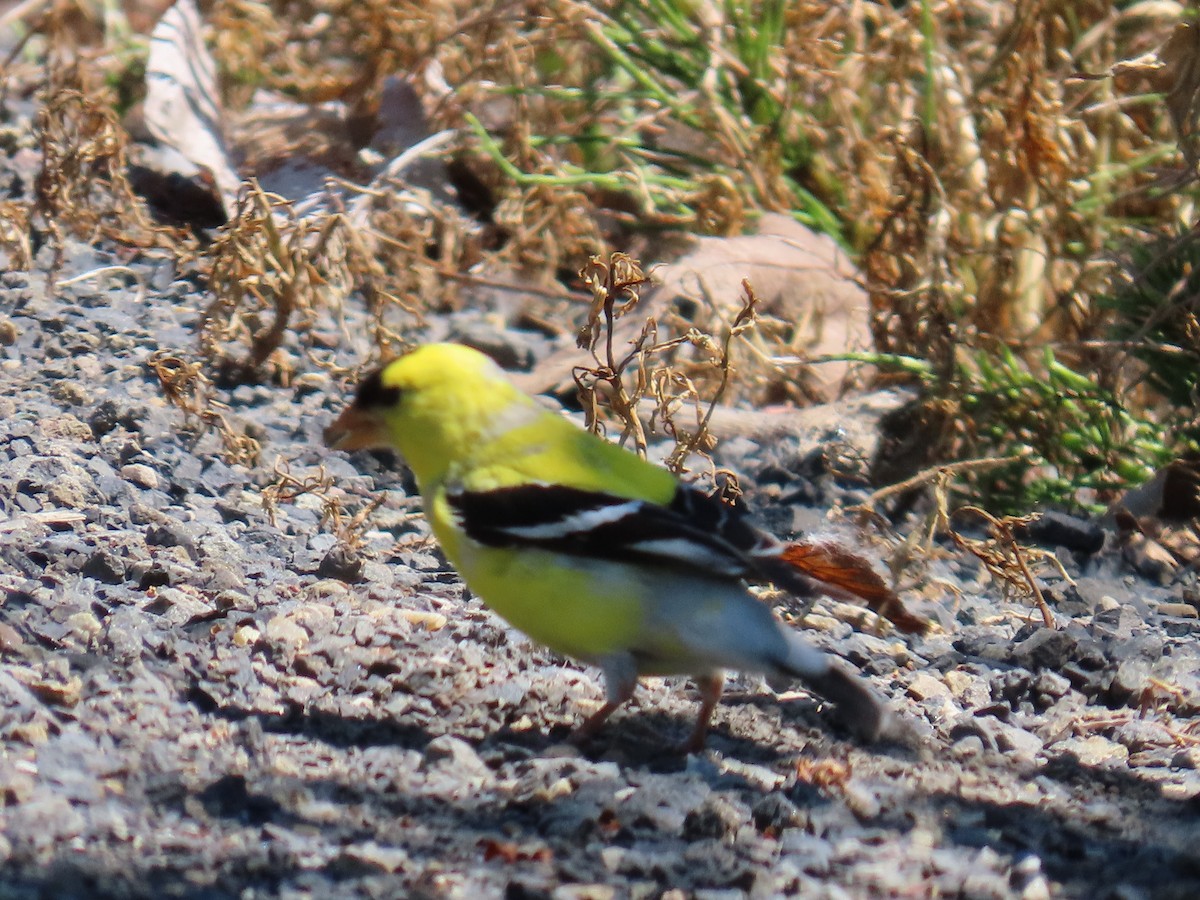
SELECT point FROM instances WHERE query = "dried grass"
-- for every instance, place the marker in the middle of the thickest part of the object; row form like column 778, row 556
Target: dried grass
column 286, row 487
column 682, row 393
column 82, row 188
column 185, row 386
column 265, row 277
column 976, row 154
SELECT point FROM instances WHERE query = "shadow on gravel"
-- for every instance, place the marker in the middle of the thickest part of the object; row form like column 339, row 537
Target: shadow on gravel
column 278, row 839
column 646, row 738
column 354, row 831
column 85, row 880
column 1124, row 835
column 329, row 728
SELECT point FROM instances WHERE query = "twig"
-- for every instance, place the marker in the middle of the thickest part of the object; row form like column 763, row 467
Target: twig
column 109, row 270
column 935, row 473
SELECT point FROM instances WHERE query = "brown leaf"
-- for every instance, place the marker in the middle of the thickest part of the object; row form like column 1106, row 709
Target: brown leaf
column 823, row 773
column 510, row 852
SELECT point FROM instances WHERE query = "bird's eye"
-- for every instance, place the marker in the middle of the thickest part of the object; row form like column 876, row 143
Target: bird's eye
column 374, row 394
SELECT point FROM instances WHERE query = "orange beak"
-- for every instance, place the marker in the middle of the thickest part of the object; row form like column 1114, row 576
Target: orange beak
column 355, row 429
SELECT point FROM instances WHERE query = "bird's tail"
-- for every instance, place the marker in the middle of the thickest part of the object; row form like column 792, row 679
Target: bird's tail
column 858, row 706
column 808, row 567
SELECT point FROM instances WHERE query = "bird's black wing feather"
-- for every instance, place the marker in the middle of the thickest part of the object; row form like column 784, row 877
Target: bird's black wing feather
column 598, row 525
column 694, row 532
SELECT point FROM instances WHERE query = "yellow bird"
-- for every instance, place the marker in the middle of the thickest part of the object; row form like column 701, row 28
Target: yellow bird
column 586, row 547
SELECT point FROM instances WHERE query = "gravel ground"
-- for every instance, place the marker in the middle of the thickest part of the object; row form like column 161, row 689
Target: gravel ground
column 198, row 701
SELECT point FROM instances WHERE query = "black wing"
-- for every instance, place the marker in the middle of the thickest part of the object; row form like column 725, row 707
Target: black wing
column 693, row 531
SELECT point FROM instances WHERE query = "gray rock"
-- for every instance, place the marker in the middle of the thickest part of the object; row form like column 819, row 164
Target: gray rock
column 1140, row 734
column 142, row 476
column 1117, row 623
column 455, row 754
column 341, row 562
column 1094, row 750
column 1186, row 758
column 717, row 817
column 1049, row 687
column 775, row 812
column 1046, row 648
column 104, row 566
column 1129, row 681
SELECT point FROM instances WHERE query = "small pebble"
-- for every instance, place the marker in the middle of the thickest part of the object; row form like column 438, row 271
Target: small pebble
column 141, row 475
column 923, row 686
column 1093, row 751
column 1186, row 758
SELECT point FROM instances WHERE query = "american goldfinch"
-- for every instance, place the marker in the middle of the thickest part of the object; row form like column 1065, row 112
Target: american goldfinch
column 586, row 547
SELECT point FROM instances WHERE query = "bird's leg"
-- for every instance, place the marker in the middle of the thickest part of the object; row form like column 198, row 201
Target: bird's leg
column 620, row 681
column 710, row 686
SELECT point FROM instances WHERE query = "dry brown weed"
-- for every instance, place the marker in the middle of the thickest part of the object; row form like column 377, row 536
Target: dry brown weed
column 640, row 383
column 82, row 188
column 285, row 487
column 185, row 386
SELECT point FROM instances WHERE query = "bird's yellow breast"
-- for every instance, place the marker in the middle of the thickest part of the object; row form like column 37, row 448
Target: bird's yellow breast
column 579, row 607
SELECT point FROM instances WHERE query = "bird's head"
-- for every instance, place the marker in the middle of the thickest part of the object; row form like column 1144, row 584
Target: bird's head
column 433, row 405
